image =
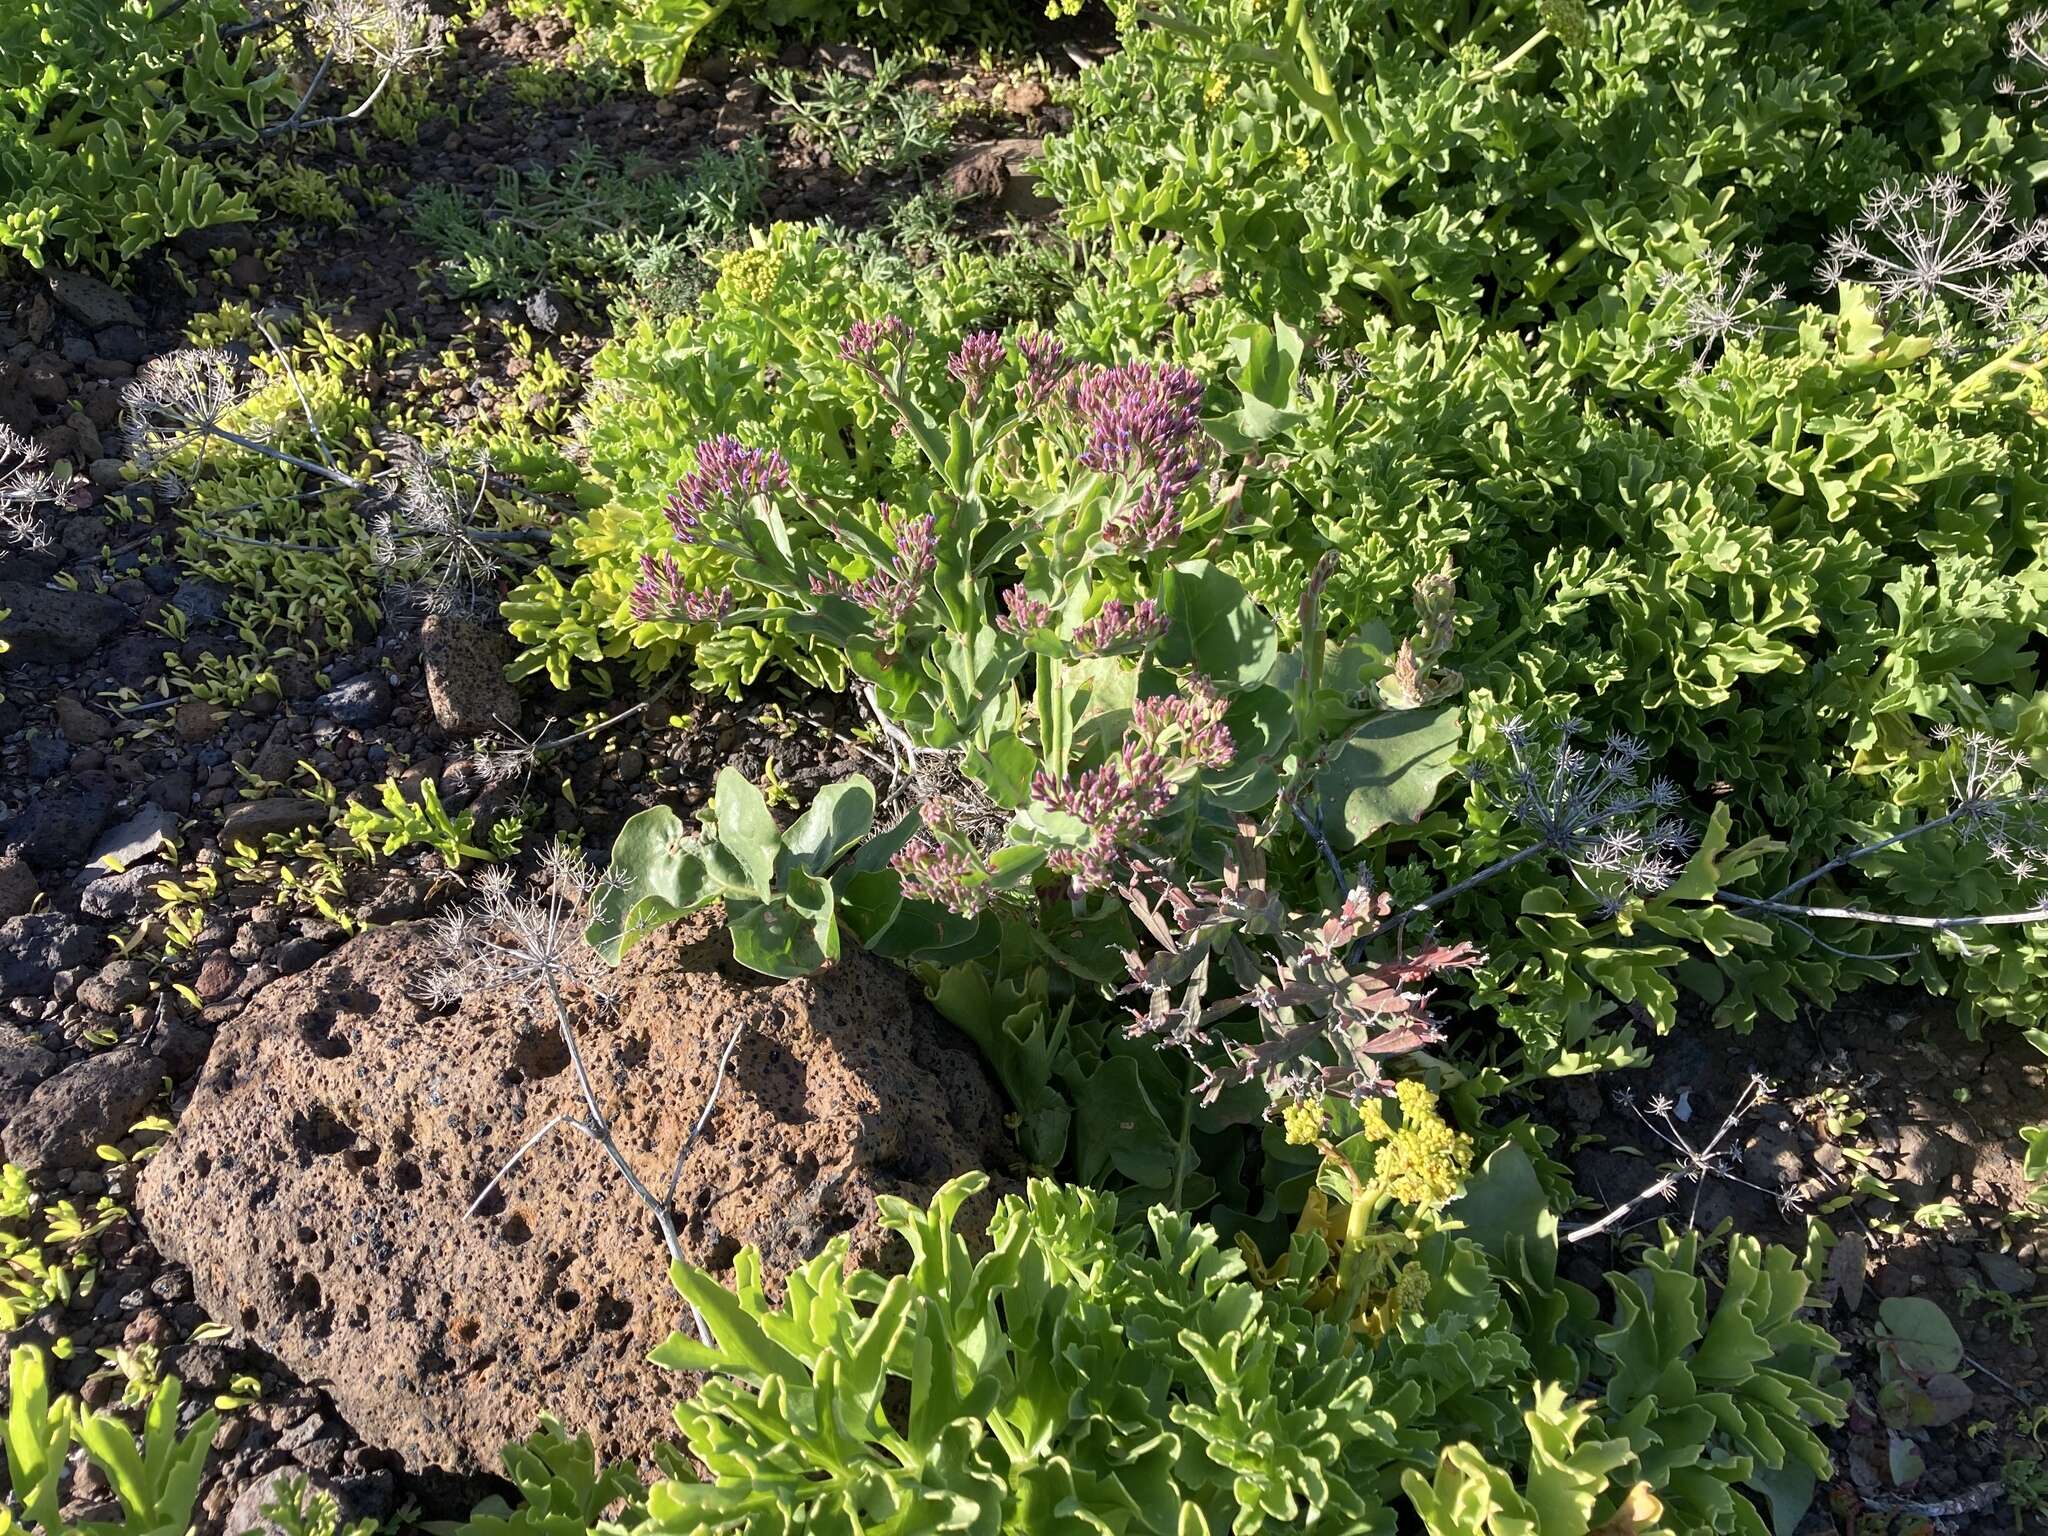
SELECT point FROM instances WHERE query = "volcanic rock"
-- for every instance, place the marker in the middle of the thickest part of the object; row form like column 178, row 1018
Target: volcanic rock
column 318, row 1183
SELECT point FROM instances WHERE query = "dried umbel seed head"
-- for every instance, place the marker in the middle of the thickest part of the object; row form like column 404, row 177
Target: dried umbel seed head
column 1719, row 302
column 388, row 35
column 1595, row 809
column 1997, row 801
column 2026, row 41
column 182, row 398
column 728, row 475
column 1939, row 239
column 424, row 536
column 981, row 353
column 25, row 485
column 526, row 938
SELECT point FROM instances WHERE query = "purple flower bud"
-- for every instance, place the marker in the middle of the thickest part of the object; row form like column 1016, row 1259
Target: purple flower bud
column 1022, row 613
column 1144, row 427
column 1046, row 366
column 728, row 473
column 892, row 590
column 1118, row 626
column 864, row 338
column 662, row 594
column 981, row 354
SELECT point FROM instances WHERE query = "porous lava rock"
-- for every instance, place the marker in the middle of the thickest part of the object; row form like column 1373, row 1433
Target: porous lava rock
column 317, row 1183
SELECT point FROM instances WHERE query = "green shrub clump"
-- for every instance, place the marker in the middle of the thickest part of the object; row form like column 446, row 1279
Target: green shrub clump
column 102, row 107
column 1081, row 1376
column 1555, row 268
column 658, row 37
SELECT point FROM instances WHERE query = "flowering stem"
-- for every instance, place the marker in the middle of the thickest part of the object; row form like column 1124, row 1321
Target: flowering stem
column 1972, row 382
column 1868, row 848
column 600, row 1131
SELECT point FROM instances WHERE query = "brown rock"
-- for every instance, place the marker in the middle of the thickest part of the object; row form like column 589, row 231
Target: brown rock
column 217, row 978
column 80, row 725
column 465, row 661
column 317, row 1184
column 253, row 820
column 98, row 1100
column 1025, row 97
column 196, row 719
column 1001, row 173
column 18, row 888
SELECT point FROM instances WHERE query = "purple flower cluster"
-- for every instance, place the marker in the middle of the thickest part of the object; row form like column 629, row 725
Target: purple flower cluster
column 974, row 365
column 1144, row 425
column 939, row 865
column 728, row 473
column 1046, row 366
column 1188, row 725
column 892, row 590
column 1120, row 626
column 1169, row 740
column 661, row 593
column 1022, row 613
column 864, row 338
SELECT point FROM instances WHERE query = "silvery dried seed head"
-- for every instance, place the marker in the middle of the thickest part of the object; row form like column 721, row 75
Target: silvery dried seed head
column 1924, row 244
column 1720, row 301
column 525, row 937
column 179, row 399
column 387, row 35
column 1998, row 801
column 25, row 485
column 423, row 536
column 1595, row 808
column 2026, row 41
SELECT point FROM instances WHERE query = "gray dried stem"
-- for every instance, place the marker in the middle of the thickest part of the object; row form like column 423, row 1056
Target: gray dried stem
column 529, row 941
column 1995, row 803
column 1695, row 1165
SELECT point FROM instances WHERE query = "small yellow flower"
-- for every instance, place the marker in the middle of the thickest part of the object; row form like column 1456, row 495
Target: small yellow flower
column 1422, row 1162
column 751, row 275
column 1214, row 89
column 1303, row 1122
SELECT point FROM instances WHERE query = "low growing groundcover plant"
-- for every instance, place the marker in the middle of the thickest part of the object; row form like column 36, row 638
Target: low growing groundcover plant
column 1527, row 531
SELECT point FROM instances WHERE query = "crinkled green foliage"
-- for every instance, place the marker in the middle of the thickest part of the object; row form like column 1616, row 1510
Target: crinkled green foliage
column 1781, row 568
column 1078, row 1375
column 660, row 37
column 101, row 107
column 1437, row 161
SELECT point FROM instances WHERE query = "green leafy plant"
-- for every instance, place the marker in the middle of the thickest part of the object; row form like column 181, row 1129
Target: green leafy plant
column 781, row 889
column 155, row 1479
column 417, row 819
column 588, row 221
column 1079, row 1371
column 865, row 122
column 101, row 112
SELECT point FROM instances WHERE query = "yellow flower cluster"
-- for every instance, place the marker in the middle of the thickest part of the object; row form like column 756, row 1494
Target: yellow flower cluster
column 1423, row 1161
column 751, row 274
column 1303, row 1122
